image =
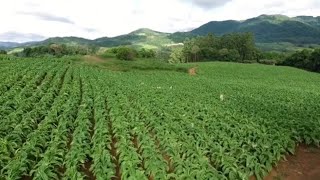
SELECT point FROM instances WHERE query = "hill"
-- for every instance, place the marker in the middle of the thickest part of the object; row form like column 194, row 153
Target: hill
column 142, row 38
column 66, row 40
column 6, row 45
column 269, row 28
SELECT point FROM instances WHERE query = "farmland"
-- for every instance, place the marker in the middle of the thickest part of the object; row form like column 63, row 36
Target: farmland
column 64, row 120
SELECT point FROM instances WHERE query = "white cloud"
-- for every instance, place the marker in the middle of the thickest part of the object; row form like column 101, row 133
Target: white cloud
column 208, row 4
column 96, row 18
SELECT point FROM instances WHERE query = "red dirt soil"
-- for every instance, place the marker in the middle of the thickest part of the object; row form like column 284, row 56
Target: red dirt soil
column 165, row 156
column 303, row 165
column 86, row 170
column 192, row 71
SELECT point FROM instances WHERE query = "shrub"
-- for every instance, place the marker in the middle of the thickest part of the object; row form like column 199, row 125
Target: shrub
column 126, row 53
column 3, row 51
column 147, row 53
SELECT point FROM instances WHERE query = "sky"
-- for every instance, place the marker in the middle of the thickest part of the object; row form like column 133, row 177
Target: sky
column 31, row 20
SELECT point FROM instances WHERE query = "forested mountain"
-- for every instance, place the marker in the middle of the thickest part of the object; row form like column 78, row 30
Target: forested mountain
column 269, row 28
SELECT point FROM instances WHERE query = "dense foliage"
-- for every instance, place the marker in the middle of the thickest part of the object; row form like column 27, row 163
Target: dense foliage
column 146, row 53
column 305, row 59
column 229, row 47
column 125, row 53
column 57, row 50
column 129, row 53
column 64, row 120
column 269, row 28
column 3, row 51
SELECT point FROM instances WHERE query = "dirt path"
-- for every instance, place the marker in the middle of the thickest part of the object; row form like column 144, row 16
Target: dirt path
column 304, row 165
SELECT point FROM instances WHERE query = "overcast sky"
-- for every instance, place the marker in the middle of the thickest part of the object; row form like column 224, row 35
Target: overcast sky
column 25, row 20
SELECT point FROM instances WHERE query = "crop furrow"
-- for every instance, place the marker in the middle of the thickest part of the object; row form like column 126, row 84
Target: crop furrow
column 80, row 145
column 86, row 167
column 165, row 155
column 31, row 119
column 113, row 146
column 14, row 77
column 20, row 134
column 30, row 152
column 53, row 159
column 15, row 98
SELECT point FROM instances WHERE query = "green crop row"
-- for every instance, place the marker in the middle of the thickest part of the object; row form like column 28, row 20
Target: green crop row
column 63, row 120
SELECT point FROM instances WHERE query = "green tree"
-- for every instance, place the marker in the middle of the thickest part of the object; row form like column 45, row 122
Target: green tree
column 233, row 55
column 126, row 53
column 176, row 56
column 146, row 53
column 299, row 59
column 315, row 60
column 195, row 50
column 164, row 53
column 3, row 51
column 223, row 54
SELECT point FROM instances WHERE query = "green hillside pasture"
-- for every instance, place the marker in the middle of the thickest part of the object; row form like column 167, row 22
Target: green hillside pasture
column 284, row 47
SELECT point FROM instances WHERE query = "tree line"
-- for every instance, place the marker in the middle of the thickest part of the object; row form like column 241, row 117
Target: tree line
column 56, row 50
column 129, row 53
column 305, row 59
column 240, row 47
column 230, row 47
column 3, row 51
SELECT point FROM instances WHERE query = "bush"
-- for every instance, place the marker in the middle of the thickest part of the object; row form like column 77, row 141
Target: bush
column 147, row 53
column 126, row 53
column 306, row 59
column 164, row 53
column 3, row 51
column 176, row 56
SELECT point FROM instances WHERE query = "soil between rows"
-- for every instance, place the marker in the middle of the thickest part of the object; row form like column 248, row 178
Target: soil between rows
column 303, row 165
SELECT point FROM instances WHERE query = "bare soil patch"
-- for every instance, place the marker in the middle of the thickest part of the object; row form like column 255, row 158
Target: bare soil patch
column 85, row 168
column 303, row 165
column 192, row 71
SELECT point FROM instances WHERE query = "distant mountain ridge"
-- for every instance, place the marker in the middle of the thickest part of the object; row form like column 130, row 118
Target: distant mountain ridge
column 266, row 28
column 143, row 37
column 269, row 28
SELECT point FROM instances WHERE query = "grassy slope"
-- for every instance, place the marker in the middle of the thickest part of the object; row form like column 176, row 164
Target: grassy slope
column 284, row 47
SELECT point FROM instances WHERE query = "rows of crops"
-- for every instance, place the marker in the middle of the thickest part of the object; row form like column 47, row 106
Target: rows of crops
column 63, row 120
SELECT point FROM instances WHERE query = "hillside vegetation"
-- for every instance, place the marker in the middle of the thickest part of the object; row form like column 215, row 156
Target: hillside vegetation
column 268, row 29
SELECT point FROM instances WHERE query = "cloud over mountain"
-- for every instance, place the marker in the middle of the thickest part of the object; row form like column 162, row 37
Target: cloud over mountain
column 20, row 37
column 208, row 4
column 48, row 17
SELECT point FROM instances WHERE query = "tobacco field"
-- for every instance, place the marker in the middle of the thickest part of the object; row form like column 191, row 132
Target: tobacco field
column 63, row 120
